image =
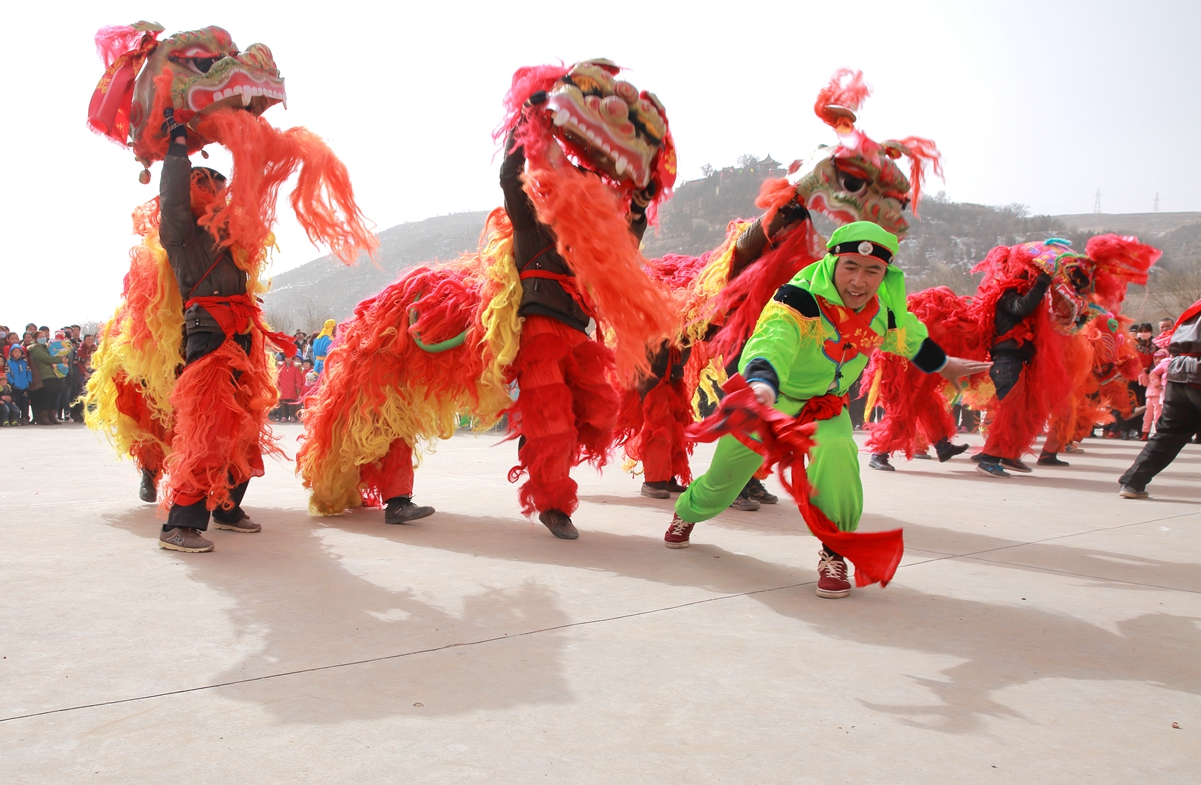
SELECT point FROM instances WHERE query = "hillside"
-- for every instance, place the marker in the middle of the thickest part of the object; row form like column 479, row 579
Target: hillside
column 942, row 246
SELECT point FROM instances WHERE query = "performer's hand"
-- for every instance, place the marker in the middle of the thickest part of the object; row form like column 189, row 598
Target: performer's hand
column 643, row 197
column 764, row 393
column 957, row 367
column 172, row 127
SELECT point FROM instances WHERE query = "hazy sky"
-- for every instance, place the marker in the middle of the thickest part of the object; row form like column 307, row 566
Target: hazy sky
column 1040, row 103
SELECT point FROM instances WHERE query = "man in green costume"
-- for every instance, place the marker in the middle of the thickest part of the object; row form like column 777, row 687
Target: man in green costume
column 813, row 340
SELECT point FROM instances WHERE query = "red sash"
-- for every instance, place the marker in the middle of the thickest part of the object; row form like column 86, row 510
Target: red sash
column 786, row 442
column 235, row 315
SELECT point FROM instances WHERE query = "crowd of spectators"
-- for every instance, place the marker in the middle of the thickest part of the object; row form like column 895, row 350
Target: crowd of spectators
column 43, row 373
column 298, row 376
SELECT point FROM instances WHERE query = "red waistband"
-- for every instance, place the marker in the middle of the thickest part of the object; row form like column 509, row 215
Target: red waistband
column 237, row 313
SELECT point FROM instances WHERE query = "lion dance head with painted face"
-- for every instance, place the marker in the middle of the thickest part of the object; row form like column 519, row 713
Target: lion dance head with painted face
column 195, row 73
column 859, row 179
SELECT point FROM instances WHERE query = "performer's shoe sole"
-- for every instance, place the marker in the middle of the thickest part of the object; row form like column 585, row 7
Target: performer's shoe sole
column 677, row 545
column 833, row 595
column 238, row 527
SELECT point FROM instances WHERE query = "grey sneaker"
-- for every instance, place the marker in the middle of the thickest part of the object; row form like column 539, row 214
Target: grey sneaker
column 1130, row 493
column 186, row 540
column 744, row 503
column 559, row 524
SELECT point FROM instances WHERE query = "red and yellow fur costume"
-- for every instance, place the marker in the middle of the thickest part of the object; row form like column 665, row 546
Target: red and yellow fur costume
column 915, row 404
column 207, row 433
column 402, row 371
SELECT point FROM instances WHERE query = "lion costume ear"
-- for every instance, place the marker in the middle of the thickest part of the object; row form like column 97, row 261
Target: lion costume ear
column 124, row 49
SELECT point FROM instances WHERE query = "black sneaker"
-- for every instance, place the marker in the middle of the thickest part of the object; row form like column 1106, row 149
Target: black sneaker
column 673, row 486
column 1016, row 465
column 401, row 509
column 880, row 462
column 992, row 469
column 946, row 450
column 559, row 524
column 755, row 490
column 976, row 457
column 147, row 491
column 1051, row 459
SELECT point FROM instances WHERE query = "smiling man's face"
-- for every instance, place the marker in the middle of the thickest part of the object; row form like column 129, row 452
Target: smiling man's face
column 858, row 278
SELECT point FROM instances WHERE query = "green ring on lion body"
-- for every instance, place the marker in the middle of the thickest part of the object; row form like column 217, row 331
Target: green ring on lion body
column 433, row 348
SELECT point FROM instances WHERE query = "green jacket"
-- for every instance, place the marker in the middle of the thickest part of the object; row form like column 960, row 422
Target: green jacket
column 789, row 351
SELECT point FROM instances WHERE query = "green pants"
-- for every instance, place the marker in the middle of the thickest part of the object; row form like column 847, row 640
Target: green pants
column 833, row 472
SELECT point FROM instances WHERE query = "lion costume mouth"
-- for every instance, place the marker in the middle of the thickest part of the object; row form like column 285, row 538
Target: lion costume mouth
column 607, row 122
column 247, row 81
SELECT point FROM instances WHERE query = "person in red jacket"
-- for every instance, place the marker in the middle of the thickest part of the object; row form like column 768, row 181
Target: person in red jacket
column 291, row 389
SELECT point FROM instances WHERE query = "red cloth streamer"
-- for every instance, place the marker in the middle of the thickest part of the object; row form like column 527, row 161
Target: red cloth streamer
column 785, row 443
column 109, row 109
column 235, row 315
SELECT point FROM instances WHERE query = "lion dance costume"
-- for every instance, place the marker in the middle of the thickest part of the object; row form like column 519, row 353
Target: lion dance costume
column 588, row 159
column 1027, row 317
column 184, row 380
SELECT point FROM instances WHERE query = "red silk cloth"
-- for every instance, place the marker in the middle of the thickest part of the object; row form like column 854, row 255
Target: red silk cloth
column 112, row 101
column 785, row 443
column 236, row 313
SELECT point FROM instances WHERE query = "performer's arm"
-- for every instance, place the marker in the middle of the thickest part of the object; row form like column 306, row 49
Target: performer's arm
column 1021, row 306
column 772, row 349
column 916, row 345
column 751, row 244
column 517, row 201
column 175, row 189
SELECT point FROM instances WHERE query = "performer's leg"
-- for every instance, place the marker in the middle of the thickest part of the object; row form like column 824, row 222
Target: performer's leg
column 594, row 401
column 655, row 438
column 544, row 419
column 834, row 472
column 681, row 409
column 391, row 480
column 1180, row 420
column 1006, row 372
column 189, row 512
column 732, row 465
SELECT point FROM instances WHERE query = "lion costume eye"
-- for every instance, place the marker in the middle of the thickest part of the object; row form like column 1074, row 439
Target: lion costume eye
column 197, row 64
column 851, row 183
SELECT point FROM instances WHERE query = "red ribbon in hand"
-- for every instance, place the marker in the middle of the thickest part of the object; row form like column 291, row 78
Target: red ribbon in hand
column 785, row 443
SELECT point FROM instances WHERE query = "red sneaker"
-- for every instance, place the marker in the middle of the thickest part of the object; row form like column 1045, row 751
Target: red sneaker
column 832, row 582
column 677, row 533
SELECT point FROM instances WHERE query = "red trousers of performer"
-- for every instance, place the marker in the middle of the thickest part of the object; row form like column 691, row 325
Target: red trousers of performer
column 221, row 404
column 661, row 445
column 565, row 411
column 392, row 475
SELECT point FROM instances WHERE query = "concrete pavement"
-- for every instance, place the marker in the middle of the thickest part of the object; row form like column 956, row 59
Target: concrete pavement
column 1040, row 629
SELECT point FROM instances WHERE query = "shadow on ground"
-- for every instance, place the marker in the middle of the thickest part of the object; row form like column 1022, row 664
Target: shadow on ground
column 298, row 598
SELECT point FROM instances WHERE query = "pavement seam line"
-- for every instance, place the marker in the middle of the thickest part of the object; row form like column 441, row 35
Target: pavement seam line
column 386, row 657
